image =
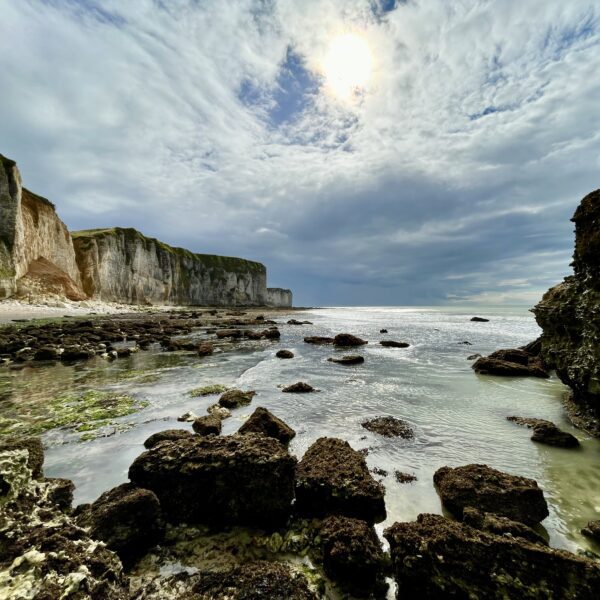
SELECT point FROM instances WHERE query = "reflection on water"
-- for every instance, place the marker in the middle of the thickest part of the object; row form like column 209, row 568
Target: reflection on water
column 458, row 417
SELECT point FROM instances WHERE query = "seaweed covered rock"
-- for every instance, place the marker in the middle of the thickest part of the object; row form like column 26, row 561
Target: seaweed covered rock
column 299, row 388
column 264, row 422
column 486, row 489
column 546, row 432
column 259, row 580
column 435, row 557
column 500, row 525
column 167, row 434
column 570, row 321
column 332, row 478
column 235, row 398
column 238, row 479
column 127, row 519
column 352, row 554
column 35, row 452
column 389, row 427
column 207, row 425
column 351, row 359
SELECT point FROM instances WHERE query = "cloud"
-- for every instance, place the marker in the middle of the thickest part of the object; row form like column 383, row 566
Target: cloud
column 206, row 124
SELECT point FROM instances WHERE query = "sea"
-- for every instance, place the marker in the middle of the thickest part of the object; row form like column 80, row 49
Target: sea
column 458, row 417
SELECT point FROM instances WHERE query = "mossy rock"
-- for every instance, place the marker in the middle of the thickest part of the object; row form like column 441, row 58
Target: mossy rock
column 208, row 390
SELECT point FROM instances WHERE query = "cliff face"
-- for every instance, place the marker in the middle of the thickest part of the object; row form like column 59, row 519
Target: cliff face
column 569, row 315
column 278, row 297
column 125, row 266
column 30, row 230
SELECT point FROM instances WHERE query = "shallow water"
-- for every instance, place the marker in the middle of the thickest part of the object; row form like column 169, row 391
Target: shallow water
column 458, row 417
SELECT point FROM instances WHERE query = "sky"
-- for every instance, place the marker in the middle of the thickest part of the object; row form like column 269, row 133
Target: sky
column 447, row 175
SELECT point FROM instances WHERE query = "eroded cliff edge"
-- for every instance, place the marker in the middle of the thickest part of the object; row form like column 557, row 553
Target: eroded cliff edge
column 569, row 315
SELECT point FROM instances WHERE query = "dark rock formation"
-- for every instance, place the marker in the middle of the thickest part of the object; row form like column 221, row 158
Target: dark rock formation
column 389, row 427
column 500, row 525
column 351, row 359
column 352, row 554
column 568, row 315
column 168, row 434
column 34, row 448
column 479, row 320
column 404, row 477
column 347, row 339
column 383, row 331
column 298, row 388
column 235, row 398
column 489, row 490
column 127, row 519
column 239, row 479
column 260, row 580
column 393, row 344
column 592, row 530
column 317, row 339
column 546, row 432
column 208, row 425
column 60, row 492
column 511, row 362
column 332, row 478
column 263, row 422
column 437, row 558
column 296, row 322
column 284, row 354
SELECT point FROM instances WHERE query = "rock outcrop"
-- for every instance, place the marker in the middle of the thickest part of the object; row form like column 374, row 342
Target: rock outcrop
column 435, row 557
column 569, row 317
column 30, row 230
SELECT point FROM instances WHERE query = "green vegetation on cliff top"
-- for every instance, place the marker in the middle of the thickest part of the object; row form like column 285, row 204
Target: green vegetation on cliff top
column 228, row 263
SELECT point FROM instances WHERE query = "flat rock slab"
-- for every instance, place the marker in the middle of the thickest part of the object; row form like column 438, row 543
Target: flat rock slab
column 437, row 558
column 332, row 478
column 317, row 339
column 353, row 359
column 238, row 479
column 389, row 427
column 393, row 344
column 489, row 490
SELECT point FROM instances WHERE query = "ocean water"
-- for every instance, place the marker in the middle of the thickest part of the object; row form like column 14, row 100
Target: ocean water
column 458, row 416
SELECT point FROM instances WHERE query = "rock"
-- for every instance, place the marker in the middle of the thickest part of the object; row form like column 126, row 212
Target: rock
column 316, row 339
column 229, row 333
column 258, row 580
column 569, row 318
column 383, row 331
column 35, row 452
column 46, row 353
column 299, row 388
column 205, row 349
column 592, row 530
column 436, row 557
column 60, row 492
column 500, row 525
column 168, row 434
column 404, row 477
column 127, row 519
column 296, row 322
column 379, row 471
column 352, row 554
column 393, row 344
column 235, row 398
column 208, row 425
column 188, row 417
column 493, row 365
column 332, row 478
column 284, row 354
column 489, row 490
column 266, row 423
column 351, row 359
column 473, row 356
column 546, row 432
column 389, row 427
column 219, row 411
column 479, row 320
column 271, row 334
column 239, row 479
column 75, row 353
column 347, row 339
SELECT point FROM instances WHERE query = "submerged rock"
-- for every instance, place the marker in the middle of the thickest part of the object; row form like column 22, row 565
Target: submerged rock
column 489, row 490
column 546, row 432
column 263, row 422
column 389, row 427
column 347, row 339
column 168, row 434
column 351, row 359
column 236, row 398
column 332, row 478
column 479, row 320
column 299, row 388
column 208, row 425
column 127, row 519
column 238, row 479
column 316, row 339
column 352, row 554
column 259, row 580
column 435, row 557
column 284, row 354
column 393, row 344
column 296, row 322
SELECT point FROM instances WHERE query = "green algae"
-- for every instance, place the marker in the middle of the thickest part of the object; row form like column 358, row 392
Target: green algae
column 140, row 376
column 208, row 390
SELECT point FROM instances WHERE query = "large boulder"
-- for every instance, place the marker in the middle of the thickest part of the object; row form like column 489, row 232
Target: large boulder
column 263, row 422
column 259, row 580
column 489, row 490
column 332, row 478
column 393, row 344
column 437, row 558
column 352, row 554
column 235, row 398
column 238, row 479
column 347, row 339
column 510, row 363
column 127, row 519
column 389, row 427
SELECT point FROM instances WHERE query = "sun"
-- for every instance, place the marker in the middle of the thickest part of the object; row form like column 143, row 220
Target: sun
column 348, row 65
